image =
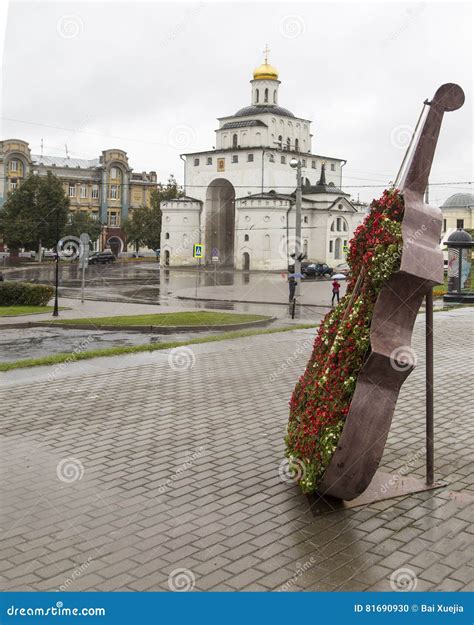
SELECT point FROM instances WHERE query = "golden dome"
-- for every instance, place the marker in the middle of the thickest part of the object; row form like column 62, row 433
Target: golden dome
column 265, row 72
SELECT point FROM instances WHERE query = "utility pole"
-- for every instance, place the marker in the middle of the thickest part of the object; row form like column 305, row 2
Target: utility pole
column 56, row 281
column 296, row 164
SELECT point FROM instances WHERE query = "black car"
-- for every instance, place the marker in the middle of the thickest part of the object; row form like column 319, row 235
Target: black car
column 313, row 270
column 102, row 258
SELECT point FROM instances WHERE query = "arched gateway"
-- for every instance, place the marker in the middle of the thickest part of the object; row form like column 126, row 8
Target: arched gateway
column 220, row 221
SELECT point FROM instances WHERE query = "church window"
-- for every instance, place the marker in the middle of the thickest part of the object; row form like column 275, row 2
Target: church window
column 235, row 158
column 283, row 160
column 297, row 145
column 167, row 235
column 246, row 237
column 209, row 160
column 303, row 162
column 333, row 167
column 196, row 162
column 250, row 158
column 288, row 144
column 460, row 223
column 280, row 141
column 267, row 243
column 339, row 207
column 444, row 225
column 235, row 141
column 305, row 219
column 313, row 164
column 274, row 97
column 266, row 95
column 338, row 224
column 256, row 95
column 271, row 158
column 331, row 247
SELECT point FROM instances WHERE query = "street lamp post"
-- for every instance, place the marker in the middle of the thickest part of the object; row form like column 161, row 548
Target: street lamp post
column 296, row 164
column 56, row 281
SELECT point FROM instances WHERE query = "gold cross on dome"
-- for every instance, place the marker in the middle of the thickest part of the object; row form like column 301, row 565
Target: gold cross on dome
column 265, row 52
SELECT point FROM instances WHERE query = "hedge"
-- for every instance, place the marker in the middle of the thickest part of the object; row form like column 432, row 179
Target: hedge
column 24, row 294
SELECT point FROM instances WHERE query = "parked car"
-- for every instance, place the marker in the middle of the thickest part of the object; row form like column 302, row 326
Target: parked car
column 102, row 258
column 313, row 270
column 342, row 268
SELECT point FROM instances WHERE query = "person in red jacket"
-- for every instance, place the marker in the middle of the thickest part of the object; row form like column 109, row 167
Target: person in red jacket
column 335, row 291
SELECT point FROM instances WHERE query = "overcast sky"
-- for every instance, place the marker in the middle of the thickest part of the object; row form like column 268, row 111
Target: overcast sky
column 151, row 78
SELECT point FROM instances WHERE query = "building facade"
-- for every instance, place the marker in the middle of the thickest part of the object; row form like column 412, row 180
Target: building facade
column 240, row 196
column 457, row 213
column 105, row 187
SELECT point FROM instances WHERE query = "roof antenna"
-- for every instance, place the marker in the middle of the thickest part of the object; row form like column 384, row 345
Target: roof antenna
column 67, row 154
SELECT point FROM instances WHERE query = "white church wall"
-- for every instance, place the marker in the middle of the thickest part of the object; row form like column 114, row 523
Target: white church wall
column 181, row 229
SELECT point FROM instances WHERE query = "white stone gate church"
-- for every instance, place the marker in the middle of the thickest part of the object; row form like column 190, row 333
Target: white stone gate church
column 240, row 196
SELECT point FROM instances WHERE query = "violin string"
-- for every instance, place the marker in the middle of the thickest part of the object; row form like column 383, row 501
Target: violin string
column 409, row 148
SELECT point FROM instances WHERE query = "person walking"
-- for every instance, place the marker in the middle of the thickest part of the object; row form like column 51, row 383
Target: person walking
column 292, row 287
column 335, row 291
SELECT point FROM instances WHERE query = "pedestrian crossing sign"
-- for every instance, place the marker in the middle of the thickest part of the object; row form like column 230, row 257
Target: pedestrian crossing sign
column 198, row 250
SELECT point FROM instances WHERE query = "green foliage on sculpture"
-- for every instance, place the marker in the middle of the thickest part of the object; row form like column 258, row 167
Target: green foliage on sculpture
column 322, row 397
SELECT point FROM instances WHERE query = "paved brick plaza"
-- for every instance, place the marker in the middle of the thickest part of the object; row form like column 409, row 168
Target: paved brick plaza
column 118, row 478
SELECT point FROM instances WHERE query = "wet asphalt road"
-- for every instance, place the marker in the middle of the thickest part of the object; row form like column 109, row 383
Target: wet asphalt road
column 142, row 282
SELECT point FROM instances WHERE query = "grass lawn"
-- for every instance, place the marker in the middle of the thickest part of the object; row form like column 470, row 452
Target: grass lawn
column 13, row 311
column 198, row 318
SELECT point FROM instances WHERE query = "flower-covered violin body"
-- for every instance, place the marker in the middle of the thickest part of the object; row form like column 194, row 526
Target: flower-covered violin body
column 342, row 406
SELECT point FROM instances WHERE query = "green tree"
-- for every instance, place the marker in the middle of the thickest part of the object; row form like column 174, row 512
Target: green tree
column 143, row 227
column 80, row 222
column 35, row 214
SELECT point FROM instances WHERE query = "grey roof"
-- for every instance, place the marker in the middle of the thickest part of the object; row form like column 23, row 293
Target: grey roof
column 268, row 195
column 250, row 122
column 61, row 161
column 459, row 200
column 258, row 109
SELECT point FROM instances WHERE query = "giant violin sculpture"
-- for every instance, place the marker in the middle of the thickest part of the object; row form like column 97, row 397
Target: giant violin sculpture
column 357, row 451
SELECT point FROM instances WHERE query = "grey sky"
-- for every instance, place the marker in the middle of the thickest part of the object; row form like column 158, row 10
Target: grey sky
column 152, row 78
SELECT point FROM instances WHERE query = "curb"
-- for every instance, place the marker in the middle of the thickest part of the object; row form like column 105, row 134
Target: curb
column 144, row 329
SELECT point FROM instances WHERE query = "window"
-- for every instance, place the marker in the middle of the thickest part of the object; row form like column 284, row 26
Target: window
column 196, row 162
column 95, row 215
column 283, row 160
column 338, row 224
column 288, row 144
column 305, row 247
column 13, row 184
column 246, row 237
column 113, row 192
column 333, row 167
column 13, row 165
column 280, row 141
column 209, row 160
column 266, row 95
column 339, row 207
column 305, row 219
column 235, row 141
column 303, row 162
column 459, row 223
column 167, row 235
column 444, row 225
column 331, row 246
column 83, row 191
column 250, row 158
column 113, row 172
column 95, row 192
column 271, row 158
column 256, row 95
column 72, row 190
column 313, row 164
column 344, row 225
column 274, row 97
column 235, row 158
column 112, row 219
column 332, row 227
column 297, row 145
